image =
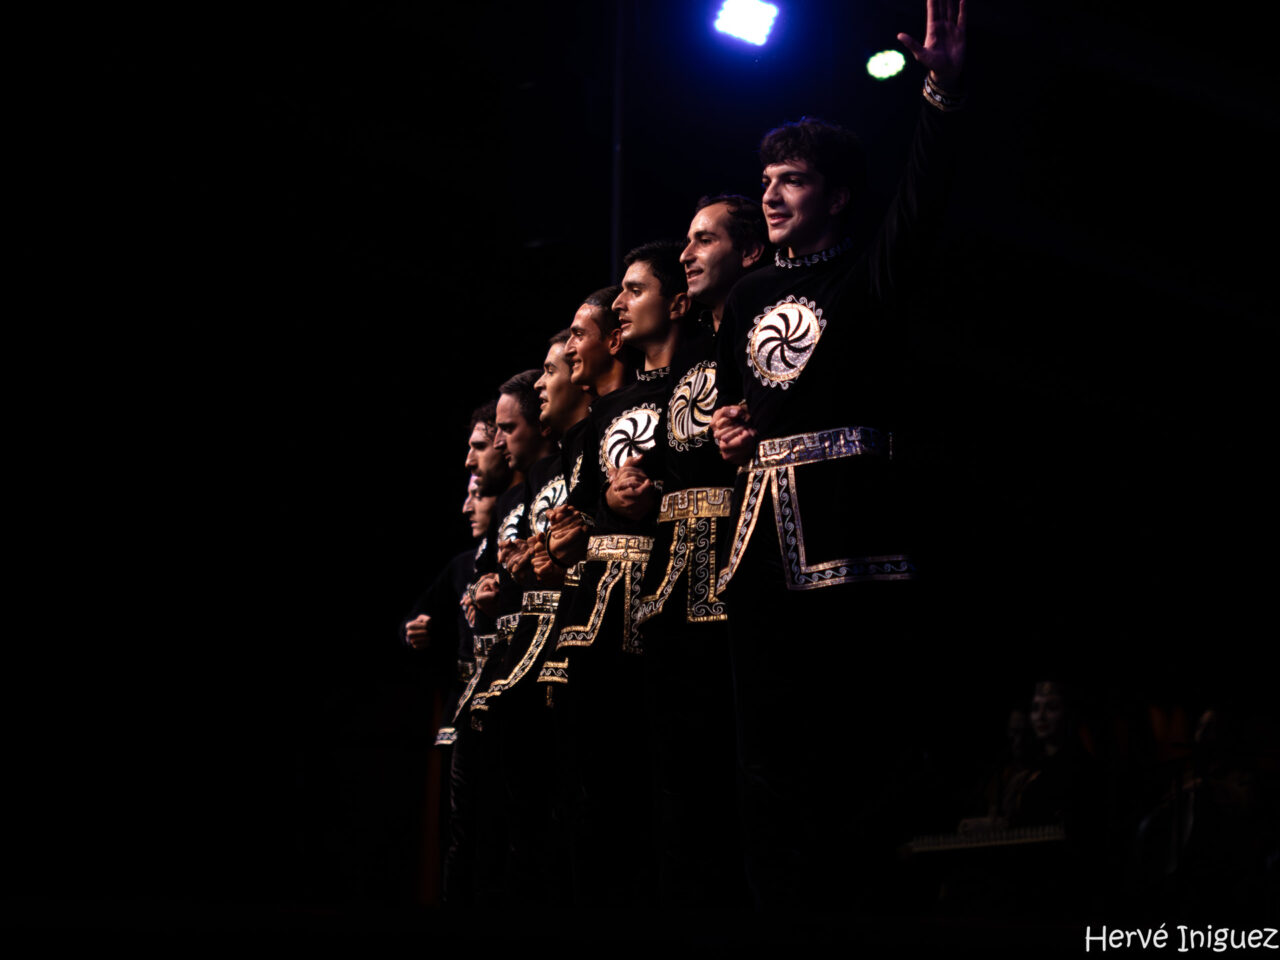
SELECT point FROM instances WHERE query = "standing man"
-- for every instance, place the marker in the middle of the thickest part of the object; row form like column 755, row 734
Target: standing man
column 536, row 867
column 596, row 655
column 688, row 686
column 817, row 565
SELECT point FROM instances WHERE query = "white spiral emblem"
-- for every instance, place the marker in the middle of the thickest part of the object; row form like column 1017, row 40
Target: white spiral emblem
column 577, row 472
column 692, row 403
column 510, row 527
column 552, row 495
column 782, row 341
column 628, row 436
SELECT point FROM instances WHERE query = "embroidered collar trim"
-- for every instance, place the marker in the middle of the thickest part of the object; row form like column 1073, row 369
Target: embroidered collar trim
column 789, row 263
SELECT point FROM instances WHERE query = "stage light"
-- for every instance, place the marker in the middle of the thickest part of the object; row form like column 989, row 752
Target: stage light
column 886, row 64
column 748, row 20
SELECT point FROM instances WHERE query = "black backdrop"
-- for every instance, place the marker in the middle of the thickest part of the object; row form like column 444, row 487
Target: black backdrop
column 278, row 257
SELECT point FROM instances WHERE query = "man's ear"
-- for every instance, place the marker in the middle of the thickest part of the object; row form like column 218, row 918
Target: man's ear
column 752, row 255
column 839, row 200
column 679, row 306
column 613, row 340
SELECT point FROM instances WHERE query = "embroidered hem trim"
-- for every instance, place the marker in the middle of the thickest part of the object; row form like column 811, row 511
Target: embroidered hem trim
column 774, row 467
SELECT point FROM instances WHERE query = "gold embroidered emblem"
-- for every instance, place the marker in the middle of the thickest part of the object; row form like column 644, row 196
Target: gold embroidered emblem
column 510, row 528
column 630, row 435
column 551, row 495
column 783, row 340
column 692, row 403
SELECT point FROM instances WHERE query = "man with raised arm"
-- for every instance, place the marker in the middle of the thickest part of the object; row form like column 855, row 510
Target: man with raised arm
column 818, row 568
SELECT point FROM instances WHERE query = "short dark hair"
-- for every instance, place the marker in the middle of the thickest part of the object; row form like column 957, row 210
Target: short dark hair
column 830, row 149
column 607, row 319
column 521, row 387
column 746, row 225
column 561, row 337
column 663, row 258
column 486, row 415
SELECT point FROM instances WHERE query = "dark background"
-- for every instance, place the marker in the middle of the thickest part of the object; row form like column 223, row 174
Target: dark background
column 282, row 255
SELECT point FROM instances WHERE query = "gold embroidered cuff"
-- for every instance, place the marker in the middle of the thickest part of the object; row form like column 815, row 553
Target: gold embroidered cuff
column 695, row 502
column 824, row 445
column 539, row 601
column 944, row 100
column 619, row 547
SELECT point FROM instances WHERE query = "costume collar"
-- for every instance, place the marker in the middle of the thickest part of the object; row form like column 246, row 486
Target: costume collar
column 655, row 374
column 787, row 263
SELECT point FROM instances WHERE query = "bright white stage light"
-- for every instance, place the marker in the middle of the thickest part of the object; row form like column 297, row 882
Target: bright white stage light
column 885, row 64
column 748, row 20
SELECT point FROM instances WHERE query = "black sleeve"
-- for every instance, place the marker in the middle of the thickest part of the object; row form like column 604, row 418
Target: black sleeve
column 913, row 216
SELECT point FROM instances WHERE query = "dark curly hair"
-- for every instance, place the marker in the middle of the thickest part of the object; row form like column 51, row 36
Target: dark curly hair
column 663, row 258
column 607, row 318
column 831, row 150
column 486, row 415
column 521, row 387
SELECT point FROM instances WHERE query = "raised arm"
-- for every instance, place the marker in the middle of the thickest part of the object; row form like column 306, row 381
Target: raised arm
column 942, row 52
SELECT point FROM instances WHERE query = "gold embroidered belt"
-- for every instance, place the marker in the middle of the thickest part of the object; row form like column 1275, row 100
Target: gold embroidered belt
column 773, row 470
column 619, row 546
column 482, row 645
column 824, row 445
column 507, row 626
column 542, row 605
column 695, row 502
column 539, row 601
column 692, row 514
column 573, row 576
column 625, row 556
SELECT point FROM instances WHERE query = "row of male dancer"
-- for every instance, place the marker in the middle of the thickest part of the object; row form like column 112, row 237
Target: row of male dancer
column 693, row 541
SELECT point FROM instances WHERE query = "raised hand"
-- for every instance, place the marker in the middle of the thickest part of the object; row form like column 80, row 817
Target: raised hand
column 942, row 52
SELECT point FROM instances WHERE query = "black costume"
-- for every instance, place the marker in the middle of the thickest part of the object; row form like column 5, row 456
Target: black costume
column 595, row 666
column 520, row 727
column 683, row 623
column 483, row 755
column 819, row 560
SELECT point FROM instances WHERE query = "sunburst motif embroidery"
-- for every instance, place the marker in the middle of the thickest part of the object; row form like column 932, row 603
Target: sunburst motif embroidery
column 551, row 495
column 783, row 339
column 630, row 435
column 510, row 528
column 692, row 403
